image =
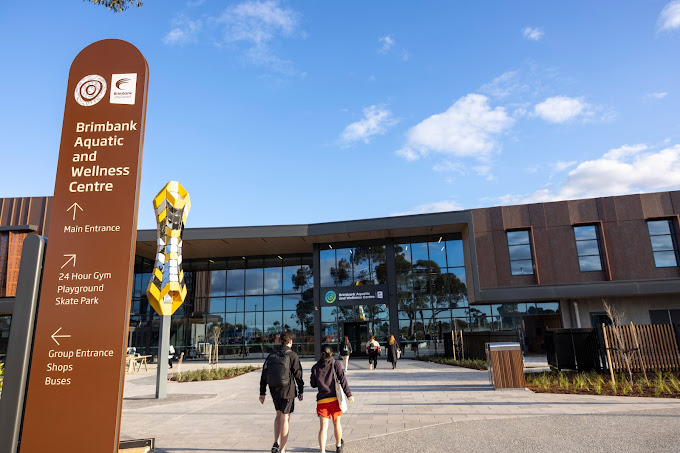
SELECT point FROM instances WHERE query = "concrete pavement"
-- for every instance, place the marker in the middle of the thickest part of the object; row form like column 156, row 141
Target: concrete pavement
column 424, row 400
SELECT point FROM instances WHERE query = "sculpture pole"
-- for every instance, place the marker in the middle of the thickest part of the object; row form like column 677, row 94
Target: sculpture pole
column 166, row 290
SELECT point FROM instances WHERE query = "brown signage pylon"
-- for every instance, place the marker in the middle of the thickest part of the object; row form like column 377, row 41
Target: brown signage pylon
column 75, row 387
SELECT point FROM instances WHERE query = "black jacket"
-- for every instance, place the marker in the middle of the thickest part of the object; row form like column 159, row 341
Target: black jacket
column 392, row 352
column 322, row 378
column 344, row 352
column 289, row 392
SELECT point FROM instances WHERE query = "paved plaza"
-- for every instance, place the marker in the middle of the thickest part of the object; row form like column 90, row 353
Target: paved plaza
column 419, row 407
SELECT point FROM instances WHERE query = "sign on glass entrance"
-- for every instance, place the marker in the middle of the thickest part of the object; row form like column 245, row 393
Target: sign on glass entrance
column 344, row 296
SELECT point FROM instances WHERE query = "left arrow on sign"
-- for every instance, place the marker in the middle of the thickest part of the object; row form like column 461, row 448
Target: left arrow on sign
column 73, row 258
column 55, row 336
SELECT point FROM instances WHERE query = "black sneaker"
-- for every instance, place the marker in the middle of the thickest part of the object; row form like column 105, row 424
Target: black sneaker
column 275, row 448
column 339, row 449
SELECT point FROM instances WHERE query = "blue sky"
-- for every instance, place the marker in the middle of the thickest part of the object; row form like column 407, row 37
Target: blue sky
column 281, row 112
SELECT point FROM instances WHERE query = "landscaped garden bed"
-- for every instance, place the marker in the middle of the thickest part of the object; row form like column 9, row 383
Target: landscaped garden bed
column 475, row 364
column 658, row 384
column 213, row 374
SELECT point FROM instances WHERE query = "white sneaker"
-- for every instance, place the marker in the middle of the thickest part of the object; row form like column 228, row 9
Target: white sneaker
column 370, row 367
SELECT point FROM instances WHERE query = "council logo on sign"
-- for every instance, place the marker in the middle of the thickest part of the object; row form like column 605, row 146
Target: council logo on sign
column 90, row 90
column 330, row 297
column 123, row 88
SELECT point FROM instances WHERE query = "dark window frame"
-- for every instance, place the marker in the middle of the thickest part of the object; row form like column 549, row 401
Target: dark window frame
column 531, row 250
column 672, row 234
column 598, row 238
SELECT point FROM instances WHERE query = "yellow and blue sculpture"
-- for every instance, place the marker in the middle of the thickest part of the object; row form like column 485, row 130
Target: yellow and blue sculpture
column 166, row 290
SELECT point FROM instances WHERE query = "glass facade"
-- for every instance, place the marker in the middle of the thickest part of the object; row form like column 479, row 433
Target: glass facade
column 251, row 299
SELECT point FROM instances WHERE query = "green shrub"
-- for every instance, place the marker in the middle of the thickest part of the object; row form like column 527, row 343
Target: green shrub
column 581, row 382
column 213, row 374
column 475, row 364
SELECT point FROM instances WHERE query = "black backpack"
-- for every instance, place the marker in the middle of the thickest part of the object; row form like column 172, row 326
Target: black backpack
column 278, row 369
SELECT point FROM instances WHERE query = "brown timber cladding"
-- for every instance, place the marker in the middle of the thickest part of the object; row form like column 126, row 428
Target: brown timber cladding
column 508, row 369
column 658, row 348
column 16, row 216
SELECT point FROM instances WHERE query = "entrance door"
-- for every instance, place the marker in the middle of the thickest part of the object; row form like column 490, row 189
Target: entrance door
column 357, row 332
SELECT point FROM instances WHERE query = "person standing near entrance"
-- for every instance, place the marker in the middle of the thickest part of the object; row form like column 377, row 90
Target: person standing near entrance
column 392, row 351
column 373, row 351
column 281, row 372
column 324, row 373
column 345, row 352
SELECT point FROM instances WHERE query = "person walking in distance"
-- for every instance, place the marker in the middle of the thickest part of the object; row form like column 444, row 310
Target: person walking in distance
column 324, row 373
column 282, row 372
column 392, row 351
column 373, row 351
column 345, row 352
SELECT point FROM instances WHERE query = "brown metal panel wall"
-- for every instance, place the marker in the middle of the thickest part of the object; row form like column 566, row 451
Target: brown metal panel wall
column 537, row 215
column 583, row 211
column 502, row 257
column 481, row 220
column 607, row 209
column 486, row 259
column 515, row 217
column 556, row 213
column 656, row 205
column 628, row 207
column 543, row 252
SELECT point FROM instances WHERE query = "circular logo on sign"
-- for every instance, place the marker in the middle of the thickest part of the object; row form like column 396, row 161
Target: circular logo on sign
column 90, row 90
column 330, row 297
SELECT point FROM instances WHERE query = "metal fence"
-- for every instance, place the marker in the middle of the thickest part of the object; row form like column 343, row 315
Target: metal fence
column 573, row 349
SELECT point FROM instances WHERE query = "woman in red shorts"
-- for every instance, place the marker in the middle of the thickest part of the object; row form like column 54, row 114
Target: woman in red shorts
column 327, row 406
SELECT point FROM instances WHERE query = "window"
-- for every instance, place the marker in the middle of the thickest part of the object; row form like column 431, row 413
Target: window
column 664, row 247
column 521, row 262
column 588, row 248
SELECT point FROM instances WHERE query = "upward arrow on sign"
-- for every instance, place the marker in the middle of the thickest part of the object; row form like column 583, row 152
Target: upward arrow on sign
column 75, row 206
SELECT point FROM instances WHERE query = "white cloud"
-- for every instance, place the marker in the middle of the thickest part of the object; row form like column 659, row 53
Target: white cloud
column 533, row 33
column 625, row 170
column 562, row 165
column 437, row 206
column 386, row 43
column 468, row 128
column 656, row 95
column 184, row 31
column 669, row 18
column 449, row 166
column 377, row 119
column 560, row 109
column 484, row 171
column 256, row 25
column 503, row 86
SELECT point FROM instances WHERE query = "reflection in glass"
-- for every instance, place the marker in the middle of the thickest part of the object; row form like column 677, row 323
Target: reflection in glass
column 235, row 282
column 327, row 262
column 254, row 281
column 659, row 227
column 218, row 283
column 254, row 303
column 663, row 244
column 272, row 303
column 523, row 267
column 437, row 251
column 234, row 304
column 454, row 253
column 272, row 280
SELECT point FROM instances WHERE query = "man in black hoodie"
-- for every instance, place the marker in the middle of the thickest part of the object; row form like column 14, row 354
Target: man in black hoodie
column 281, row 372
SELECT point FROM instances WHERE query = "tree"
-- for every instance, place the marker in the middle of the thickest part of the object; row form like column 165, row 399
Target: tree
column 118, row 6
